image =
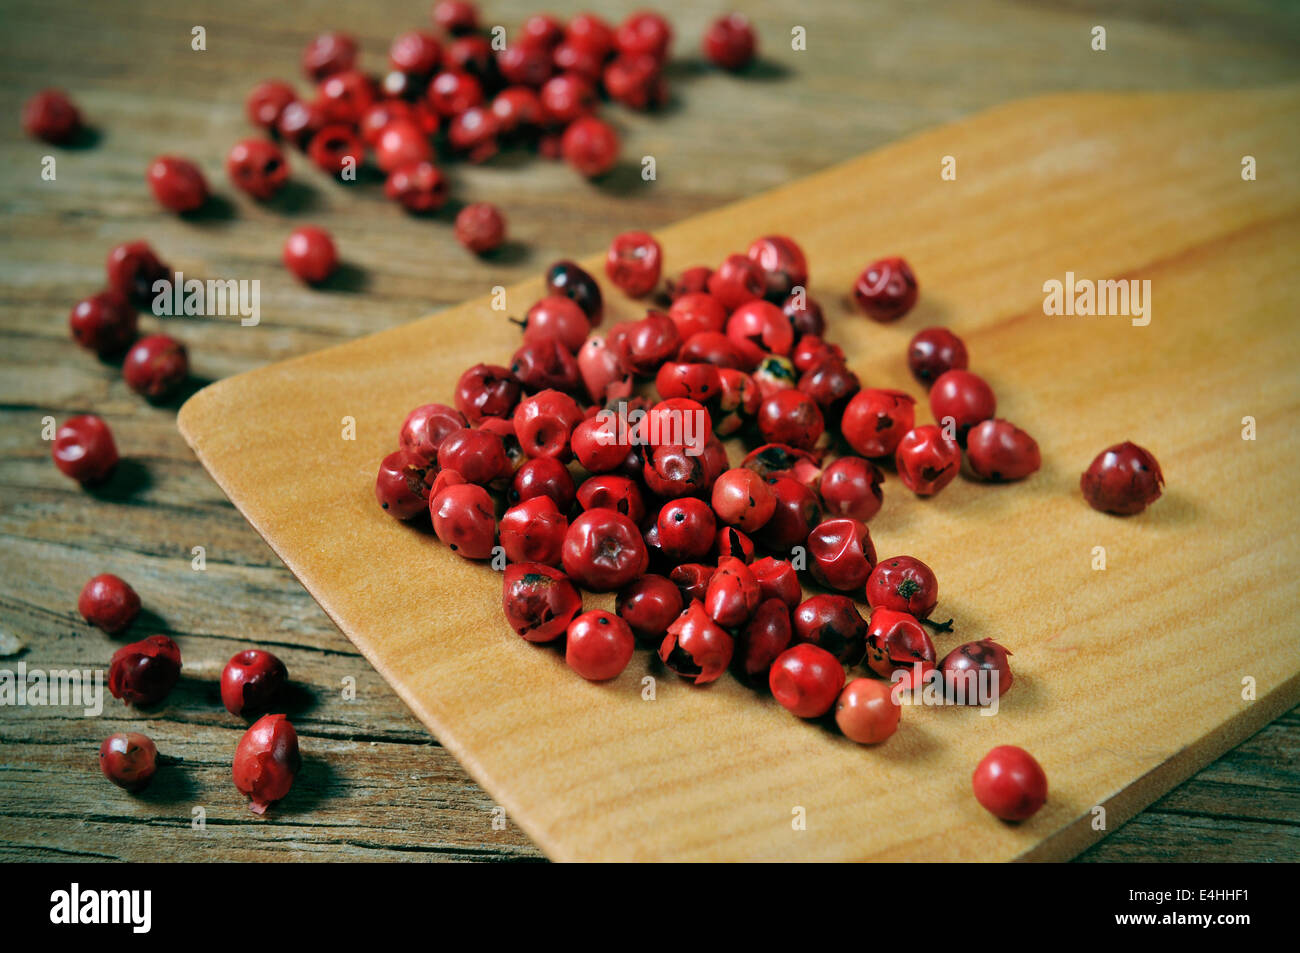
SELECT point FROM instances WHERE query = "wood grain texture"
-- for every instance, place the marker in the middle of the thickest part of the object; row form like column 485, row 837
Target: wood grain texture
column 871, row 74
column 1115, row 692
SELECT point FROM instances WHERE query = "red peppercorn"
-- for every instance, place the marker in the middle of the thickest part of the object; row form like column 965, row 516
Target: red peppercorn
column 641, row 346
column 635, row 81
column 402, row 486
column 692, row 281
column 797, row 511
column 84, row 450
column 896, row 640
column 634, row 262
column 426, row 427
column 516, row 108
column 595, row 444
column 697, row 382
column 649, row 605
column 566, row 97
column 730, row 42
column 544, row 423
column 644, row 34
column 299, row 122
column 737, row 280
column 774, row 373
column 505, row 430
column 128, row 759
column 266, row 761
column 904, row 584
column 327, row 54
column 345, row 96
column 378, row 115
column 962, row 668
column 310, row 254
column 457, row 17
column 962, row 397
column 109, row 602
column 569, row 280
column 832, row 623
column 866, row 711
column 886, row 290
column 474, row 132
column 998, row 450
column 546, row 365
column 927, row 460
column 266, row 101
column 104, row 323
column 611, row 492
column 733, row 593
column 850, row 486
column 604, row 551
column 599, row 645
column 525, row 64
column 477, row 455
column 534, row 531
column 143, row 672
column 832, row 385
column 133, row 270
column 1010, row 784
column 674, row 471
column 543, row 476
column 156, row 366
column 539, row 601
column 777, row 579
column 806, row 680
column 480, row 227
column 258, row 167
column 465, row 519
column 695, row 313
column 875, row 420
column 777, row 459
column 177, row 183
column 811, row 351
column 336, row 148
column 841, row 554
column 805, row 315
column 760, row 326
column 487, row 390
column 401, row 143
column 763, row 639
column 590, row 145
column 742, row 498
column 50, row 115
column 732, row 542
column 1123, row 479
column 559, row 318
column 415, row 52
column 251, row 680
column 933, row 352
column 686, row 528
column 590, row 32
column 419, row 187
column 791, row 417
column 696, row 647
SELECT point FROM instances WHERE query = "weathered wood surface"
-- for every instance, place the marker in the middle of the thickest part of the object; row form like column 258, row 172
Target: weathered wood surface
column 377, row 786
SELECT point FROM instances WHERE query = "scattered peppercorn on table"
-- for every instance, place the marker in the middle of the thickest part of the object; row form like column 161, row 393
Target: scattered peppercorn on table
column 371, row 786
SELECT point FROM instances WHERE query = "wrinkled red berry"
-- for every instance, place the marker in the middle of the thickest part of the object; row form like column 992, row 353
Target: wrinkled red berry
column 129, row 759
column 465, row 519
column 796, row 512
column 733, row 593
column 896, row 640
column 143, row 672
column 109, row 602
column 841, row 554
column 539, row 601
column 1123, row 479
column 402, row 486
column 832, row 623
column 886, row 290
column 933, row 353
column 156, row 366
column 611, row 492
column 777, row 579
column 904, row 584
column 251, row 680
column 875, row 420
column 792, row 418
column 604, row 551
column 133, row 270
column 487, row 390
column 634, row 262
column 737, row 280
column 534, row 531
column 850, row 486
column 696, row 647
column 927, row 460
column 258, row 167
column 104, row 323
column 998, row 450
column 266, row 761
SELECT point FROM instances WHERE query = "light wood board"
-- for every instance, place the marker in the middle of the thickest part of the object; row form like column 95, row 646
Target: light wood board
column 1128, row 679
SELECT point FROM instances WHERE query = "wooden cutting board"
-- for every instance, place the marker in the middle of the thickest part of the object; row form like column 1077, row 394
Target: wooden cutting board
column 1128, row 678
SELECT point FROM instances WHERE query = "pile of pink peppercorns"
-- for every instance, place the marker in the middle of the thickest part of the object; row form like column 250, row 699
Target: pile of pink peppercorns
column 706, row 557
column 143, row 673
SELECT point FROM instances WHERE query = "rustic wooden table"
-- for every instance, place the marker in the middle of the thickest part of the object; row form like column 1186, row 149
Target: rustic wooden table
column 378, row 787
